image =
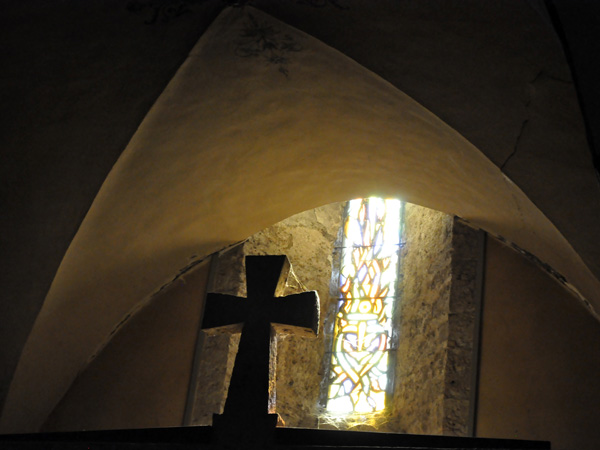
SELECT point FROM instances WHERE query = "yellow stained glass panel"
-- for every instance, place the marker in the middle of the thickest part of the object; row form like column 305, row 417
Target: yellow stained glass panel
column 367, row 292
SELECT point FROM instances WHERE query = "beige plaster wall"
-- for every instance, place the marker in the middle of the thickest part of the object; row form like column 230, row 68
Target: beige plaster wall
column 141, row 378
column 539, row 357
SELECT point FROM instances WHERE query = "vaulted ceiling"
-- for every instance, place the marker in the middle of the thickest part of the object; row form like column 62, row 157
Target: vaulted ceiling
column 482, row 89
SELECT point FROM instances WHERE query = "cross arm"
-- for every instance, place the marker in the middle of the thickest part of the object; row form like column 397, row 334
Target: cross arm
column 222, row 309
column 301, row 310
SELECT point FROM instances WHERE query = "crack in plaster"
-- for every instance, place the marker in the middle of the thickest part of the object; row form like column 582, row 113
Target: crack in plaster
column 544, row 74
column 517, row 141
column 541, row 75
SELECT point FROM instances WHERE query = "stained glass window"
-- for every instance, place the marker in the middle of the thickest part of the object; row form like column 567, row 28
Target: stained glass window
column 367, row 292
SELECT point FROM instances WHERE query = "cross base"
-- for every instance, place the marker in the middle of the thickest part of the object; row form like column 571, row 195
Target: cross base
column 255, row 432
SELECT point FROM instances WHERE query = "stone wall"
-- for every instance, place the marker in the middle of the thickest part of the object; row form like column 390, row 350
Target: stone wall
column 436, row 312
column 308, row 241
column 434, row 318
column 465, row 296
column 418, row 400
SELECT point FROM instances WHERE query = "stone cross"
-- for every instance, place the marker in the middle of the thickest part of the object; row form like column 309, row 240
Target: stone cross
column 251, row 389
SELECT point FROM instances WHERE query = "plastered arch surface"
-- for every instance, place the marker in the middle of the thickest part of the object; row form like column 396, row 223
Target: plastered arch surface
column 234, row 145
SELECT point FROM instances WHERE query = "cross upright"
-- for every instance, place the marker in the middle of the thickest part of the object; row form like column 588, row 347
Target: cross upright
column 251, row 389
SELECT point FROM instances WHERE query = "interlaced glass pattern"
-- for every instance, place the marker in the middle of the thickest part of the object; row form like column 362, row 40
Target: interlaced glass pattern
column 363, row 325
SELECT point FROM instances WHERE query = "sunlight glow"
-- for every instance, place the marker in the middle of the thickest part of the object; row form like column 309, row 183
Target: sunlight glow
column 363, row 327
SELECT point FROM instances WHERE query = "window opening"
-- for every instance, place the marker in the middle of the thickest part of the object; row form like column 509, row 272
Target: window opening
column 360, row 366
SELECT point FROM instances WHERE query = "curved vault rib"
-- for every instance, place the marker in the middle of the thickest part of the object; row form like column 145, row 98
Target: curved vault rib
column 238, row 142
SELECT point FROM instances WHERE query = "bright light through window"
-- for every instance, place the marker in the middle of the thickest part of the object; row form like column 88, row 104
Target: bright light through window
column 363, row 325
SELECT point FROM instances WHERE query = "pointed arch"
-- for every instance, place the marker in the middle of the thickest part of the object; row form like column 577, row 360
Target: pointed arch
column 233, row 145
